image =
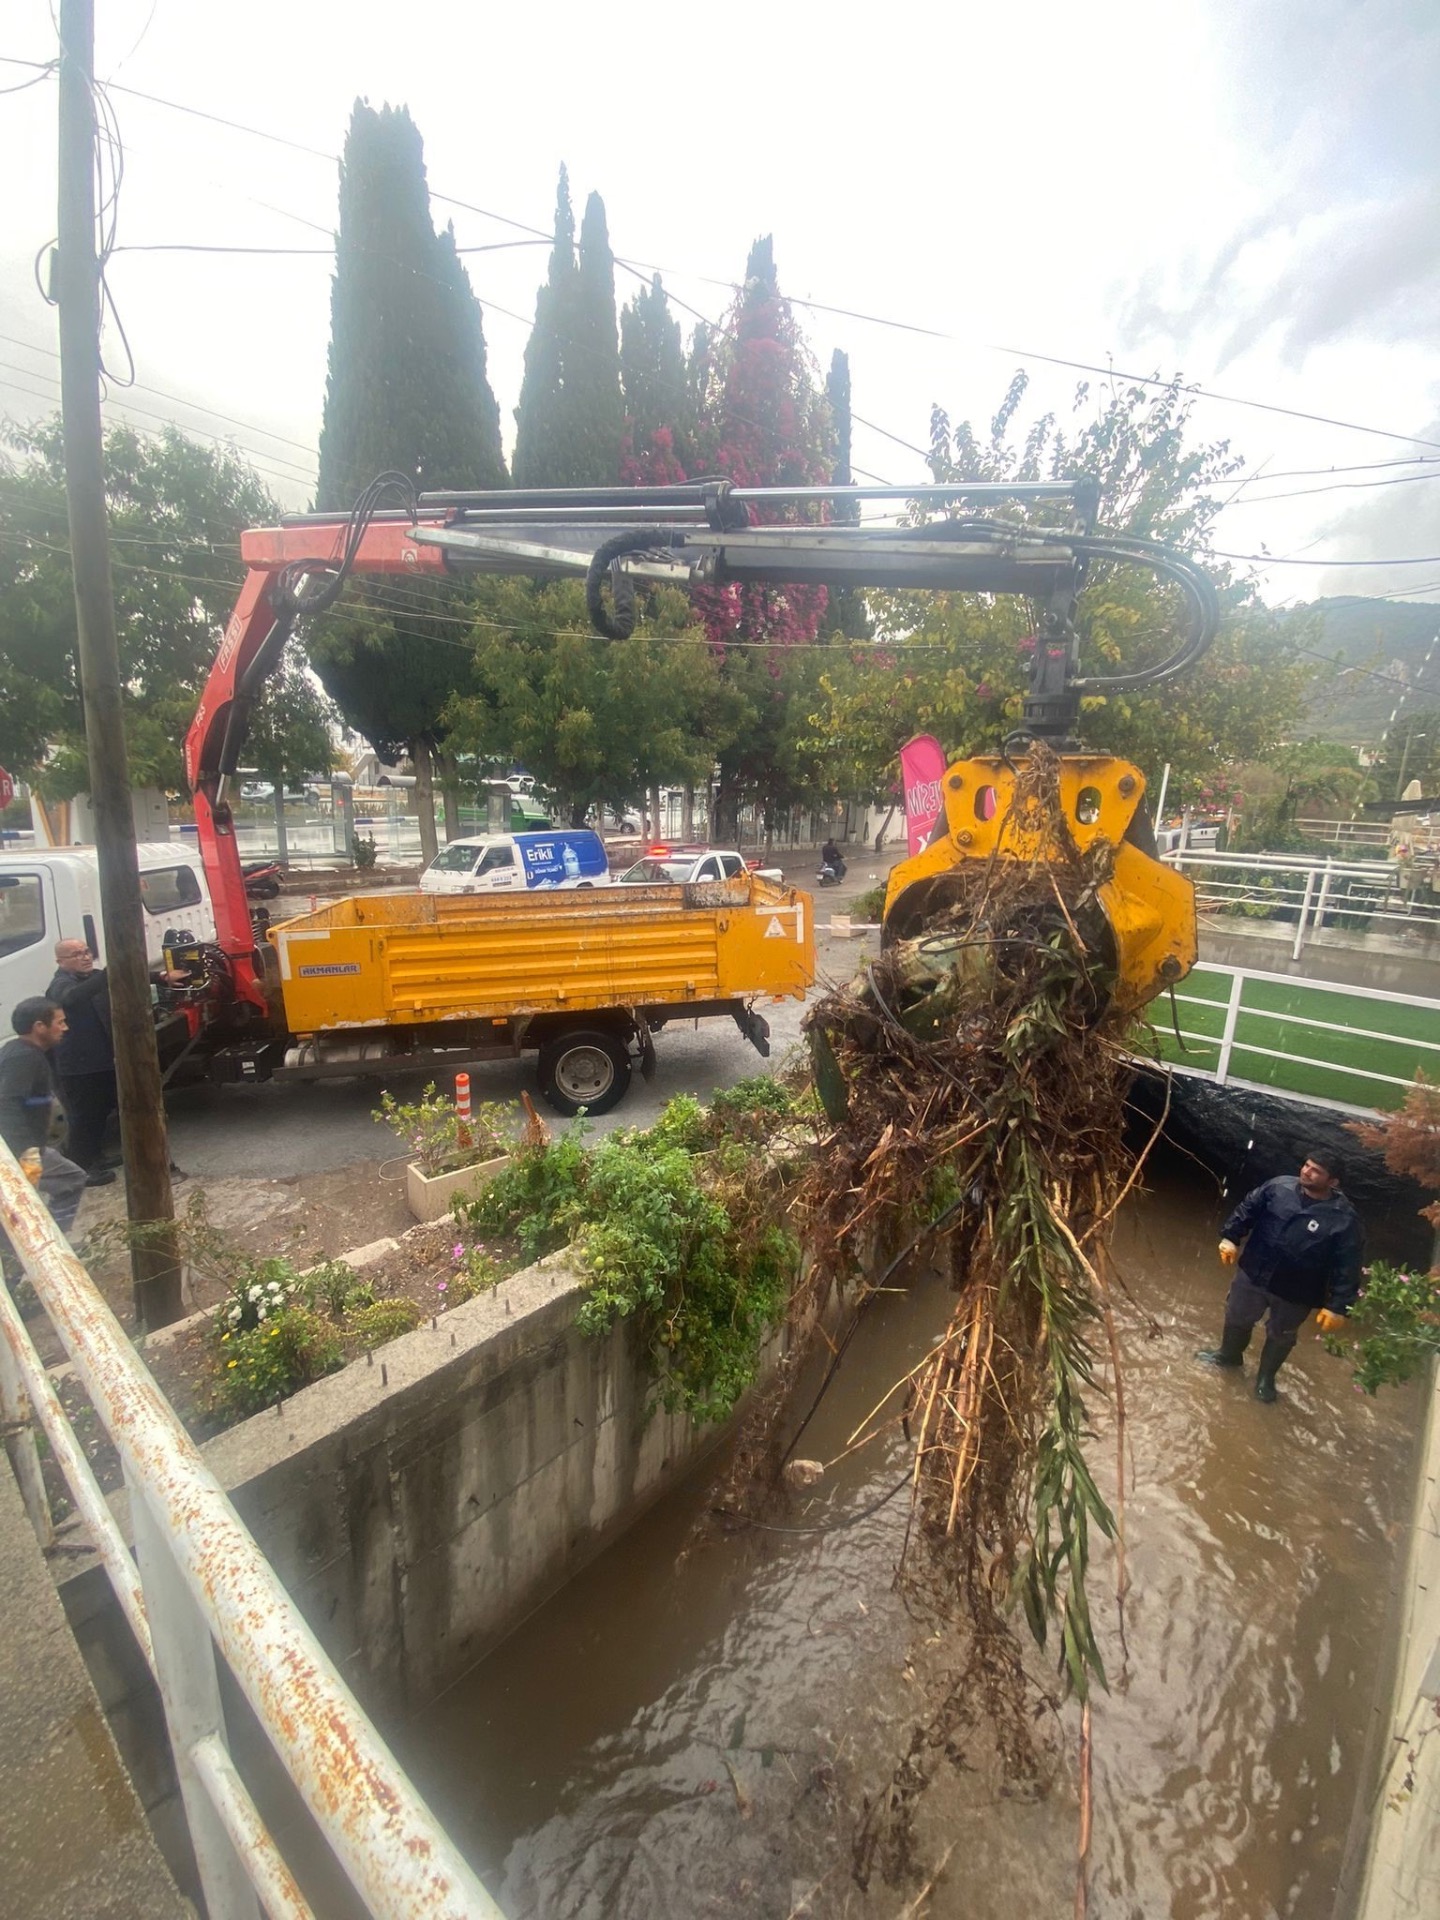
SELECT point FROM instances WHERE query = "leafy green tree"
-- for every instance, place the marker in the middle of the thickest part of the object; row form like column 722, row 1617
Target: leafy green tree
column 962, row 661
column 598, row 723
column 407, row 391
column 570, row 421
column 1409, row 751
column 177, row 509
column 291, row 733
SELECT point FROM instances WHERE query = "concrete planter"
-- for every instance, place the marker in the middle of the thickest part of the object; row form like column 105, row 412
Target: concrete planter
column 433, row 1194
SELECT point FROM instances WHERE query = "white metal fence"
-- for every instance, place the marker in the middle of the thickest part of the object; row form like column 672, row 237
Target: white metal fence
column 1309, row 893
column 202, row 1587
column 1347, row 833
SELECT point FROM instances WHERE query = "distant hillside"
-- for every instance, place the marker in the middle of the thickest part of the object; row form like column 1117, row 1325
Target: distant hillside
column 1385, row 636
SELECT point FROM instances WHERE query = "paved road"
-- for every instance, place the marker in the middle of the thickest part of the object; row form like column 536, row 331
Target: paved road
column 311, row 1126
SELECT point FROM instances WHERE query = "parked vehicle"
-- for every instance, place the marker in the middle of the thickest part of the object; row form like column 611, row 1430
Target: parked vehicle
column 262, row 879
column 53, row 893
column 689, row 866
column 519, row 862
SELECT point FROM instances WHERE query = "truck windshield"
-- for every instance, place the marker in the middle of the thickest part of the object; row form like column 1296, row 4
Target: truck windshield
column 456, row 858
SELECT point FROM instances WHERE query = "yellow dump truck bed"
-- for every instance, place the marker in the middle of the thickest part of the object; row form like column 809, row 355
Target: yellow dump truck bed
column 392, row 960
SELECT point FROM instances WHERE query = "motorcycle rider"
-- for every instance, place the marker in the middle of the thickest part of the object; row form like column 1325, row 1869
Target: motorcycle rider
column 831, row 856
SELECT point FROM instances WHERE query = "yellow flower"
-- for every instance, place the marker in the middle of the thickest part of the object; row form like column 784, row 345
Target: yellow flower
column 232, row 1363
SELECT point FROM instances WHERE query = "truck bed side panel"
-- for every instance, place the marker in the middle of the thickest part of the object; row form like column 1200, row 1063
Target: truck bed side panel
column 394, row 960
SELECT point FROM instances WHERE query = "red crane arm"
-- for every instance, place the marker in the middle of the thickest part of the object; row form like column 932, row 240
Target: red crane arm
column 251, row 649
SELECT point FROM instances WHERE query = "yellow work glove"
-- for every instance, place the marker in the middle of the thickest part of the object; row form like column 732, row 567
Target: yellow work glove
column 1329, row 1322
column 1229, row 1253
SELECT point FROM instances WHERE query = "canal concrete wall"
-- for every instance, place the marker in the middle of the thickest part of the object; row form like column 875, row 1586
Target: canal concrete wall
column 1402, row 1864
column 420, row 1506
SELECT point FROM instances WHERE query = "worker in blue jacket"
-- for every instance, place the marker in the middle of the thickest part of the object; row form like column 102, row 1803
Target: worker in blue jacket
column 1303, row 1244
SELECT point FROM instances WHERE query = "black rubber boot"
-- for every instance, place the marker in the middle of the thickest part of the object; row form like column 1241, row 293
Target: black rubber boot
column 1231, row 1350
column 1272, row 1358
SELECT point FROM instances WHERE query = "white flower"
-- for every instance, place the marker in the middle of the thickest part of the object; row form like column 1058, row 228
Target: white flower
column 254, row 1293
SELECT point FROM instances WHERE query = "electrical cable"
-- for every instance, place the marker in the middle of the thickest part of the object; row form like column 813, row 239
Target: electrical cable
column 1024, row 353
column 251, row 426
column 1274, row 560
column 268, row 462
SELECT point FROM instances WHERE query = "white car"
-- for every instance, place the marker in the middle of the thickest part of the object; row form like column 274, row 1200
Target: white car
column 687, row 868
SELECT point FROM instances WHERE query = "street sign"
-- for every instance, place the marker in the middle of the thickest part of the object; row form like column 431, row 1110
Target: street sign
column 7, row 789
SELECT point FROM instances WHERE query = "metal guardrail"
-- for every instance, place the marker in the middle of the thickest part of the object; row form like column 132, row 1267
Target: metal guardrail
column 1357, row 833
column 203, row 1586
column 1365, row 889
column 1356, row 1048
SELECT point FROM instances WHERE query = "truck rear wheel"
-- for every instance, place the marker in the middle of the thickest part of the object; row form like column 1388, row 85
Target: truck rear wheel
column 585, row 1068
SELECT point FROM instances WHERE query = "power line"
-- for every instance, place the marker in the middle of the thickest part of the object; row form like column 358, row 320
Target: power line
column 258, row 457
column 1340, row 486
column 1370, row 673
column 1274, row 560
column 194, row 406
column 817, row 306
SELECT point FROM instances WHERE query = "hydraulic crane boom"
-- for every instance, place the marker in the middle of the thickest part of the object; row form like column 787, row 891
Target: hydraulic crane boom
column 704, row 533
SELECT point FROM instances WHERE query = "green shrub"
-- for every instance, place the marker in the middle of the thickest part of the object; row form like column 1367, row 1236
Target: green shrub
column 384, row 1320
column 366, row 852
column 475, row 1272
column 432, row 1130
column 536, row 1197
column 869, row 905
column 1397, row 1318
column 683, row 1242
column 336, row 1287
column 274, row 1357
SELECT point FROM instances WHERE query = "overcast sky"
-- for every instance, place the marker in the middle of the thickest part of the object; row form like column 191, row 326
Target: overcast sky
column 1247, row 191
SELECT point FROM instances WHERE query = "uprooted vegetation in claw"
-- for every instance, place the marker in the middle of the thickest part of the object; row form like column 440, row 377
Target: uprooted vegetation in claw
column 975, row 1079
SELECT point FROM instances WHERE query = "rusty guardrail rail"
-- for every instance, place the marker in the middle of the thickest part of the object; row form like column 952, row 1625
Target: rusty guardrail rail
column 202, row 1585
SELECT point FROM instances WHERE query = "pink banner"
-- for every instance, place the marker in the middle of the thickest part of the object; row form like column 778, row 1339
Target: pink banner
column 922, row 768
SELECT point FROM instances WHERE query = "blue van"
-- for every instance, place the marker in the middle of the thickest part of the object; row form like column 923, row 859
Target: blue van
column 571, row 857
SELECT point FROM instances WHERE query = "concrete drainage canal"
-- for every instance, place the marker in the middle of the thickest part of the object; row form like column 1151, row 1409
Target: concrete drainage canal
column 688, row 1729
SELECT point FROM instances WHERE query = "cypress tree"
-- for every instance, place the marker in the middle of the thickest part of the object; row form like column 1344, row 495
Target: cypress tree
column 845, row 617
column 570, row 421
column 407, row 390
column 407, row 386
column 659, row 436
column 837, row 395
column 538, row 418
column 598, row 412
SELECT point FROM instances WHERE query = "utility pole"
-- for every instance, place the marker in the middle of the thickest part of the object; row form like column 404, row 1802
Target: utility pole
column 155, row 1265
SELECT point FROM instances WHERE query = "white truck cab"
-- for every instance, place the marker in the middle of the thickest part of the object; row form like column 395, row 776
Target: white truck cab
column 53, row 893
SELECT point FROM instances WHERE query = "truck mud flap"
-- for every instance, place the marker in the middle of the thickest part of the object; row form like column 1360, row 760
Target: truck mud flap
column 646, row 1042
column 755, row 1029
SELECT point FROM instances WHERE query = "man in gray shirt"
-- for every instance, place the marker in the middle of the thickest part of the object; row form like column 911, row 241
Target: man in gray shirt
column 28, row 1101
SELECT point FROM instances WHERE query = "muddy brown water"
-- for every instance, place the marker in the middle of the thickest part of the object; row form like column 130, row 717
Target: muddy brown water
column 695, row 1738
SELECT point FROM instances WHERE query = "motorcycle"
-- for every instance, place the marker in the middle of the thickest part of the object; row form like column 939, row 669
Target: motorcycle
column 262, row 879
column 832, row 872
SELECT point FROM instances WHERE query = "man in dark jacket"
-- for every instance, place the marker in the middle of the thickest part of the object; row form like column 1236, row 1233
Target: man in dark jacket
column 27, row 1104
column 85, row 1058
column 1303, row 1247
